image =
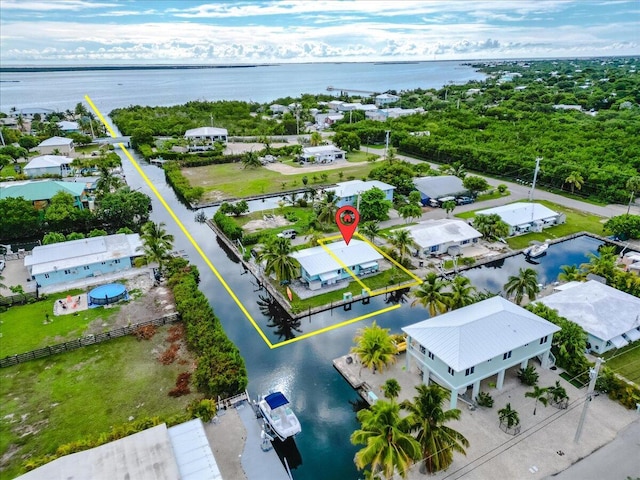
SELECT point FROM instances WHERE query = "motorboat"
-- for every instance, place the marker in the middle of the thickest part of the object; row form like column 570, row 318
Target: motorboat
column 535, row 251
column 278, row 415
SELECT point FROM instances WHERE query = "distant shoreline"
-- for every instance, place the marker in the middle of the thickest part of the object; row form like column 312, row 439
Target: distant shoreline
column 122, row 67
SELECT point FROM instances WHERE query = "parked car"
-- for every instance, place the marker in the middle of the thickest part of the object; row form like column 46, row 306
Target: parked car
column 464, row 200
column 291, row 233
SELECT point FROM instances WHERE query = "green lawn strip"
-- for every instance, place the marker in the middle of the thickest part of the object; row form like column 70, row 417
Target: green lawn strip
column 234, row 180
column 23, row 327
column 576, row 221
column 384, row 279
column 571, row 380
column 82, row 393
column 357, row 156
column 492, row 196
column 625, row 361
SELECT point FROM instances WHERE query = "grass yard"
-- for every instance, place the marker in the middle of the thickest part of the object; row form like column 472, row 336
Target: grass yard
column 23, row 327
column 48, row 402
column 625, row 361
column 576, row 222
column 233, row 180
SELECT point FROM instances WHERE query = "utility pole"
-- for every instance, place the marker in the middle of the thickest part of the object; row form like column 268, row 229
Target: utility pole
column 211, row 116
column 535, row 177
column 386, row 149
column 593, row 374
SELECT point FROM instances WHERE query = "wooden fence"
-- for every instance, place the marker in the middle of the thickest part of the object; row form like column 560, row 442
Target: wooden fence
column 84, row 341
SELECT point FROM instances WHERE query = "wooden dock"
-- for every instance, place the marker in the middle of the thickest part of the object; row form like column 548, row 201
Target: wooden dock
column 349, row 368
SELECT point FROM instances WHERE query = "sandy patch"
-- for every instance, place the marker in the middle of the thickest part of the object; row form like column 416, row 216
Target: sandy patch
column 266, row 222
column 289, row 170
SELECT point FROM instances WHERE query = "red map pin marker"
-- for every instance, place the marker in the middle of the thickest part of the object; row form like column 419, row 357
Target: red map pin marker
column 347, row 219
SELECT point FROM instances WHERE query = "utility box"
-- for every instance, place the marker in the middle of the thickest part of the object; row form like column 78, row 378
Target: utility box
column 347, row 296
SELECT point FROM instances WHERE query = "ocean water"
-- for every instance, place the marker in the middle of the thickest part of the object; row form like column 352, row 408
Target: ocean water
column 120, row 88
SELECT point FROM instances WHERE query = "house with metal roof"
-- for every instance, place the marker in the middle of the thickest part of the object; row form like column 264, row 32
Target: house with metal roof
column 438, row 187
column 610, row 318
column 157, row 453
column 386, row 99
column 56, row 146
column 77, row 259
column 524, row 217
column 69, row 127
column 322, row 154
column 204, row 138
column 319, row 268
column 459, row 349
column 349, row 192
column 40, row 192
column 49, row 165
column 438, row 237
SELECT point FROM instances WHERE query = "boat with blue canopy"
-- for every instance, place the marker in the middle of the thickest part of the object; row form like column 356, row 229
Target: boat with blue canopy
column 277, row 413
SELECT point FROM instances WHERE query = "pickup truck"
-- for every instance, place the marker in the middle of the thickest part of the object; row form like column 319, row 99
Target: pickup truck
column 288, row 234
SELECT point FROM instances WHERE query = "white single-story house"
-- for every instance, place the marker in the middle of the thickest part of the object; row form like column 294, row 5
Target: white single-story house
column 366, row 107
column 436, row 237
column 204, row 138
column 438, row 187
column 335, row 104
column 322, row 154
column 346, row 107
column 348, row 192
column 318, row 268
column 29, row 113
column 610, row 317
column 88, row 257
column 178, row 452
column 382, row 115
column 49, row 165
column 386, row 99
column 525, row 217
column 59, row 145
column 459, row 349
column 69, row 127
column 277, row 108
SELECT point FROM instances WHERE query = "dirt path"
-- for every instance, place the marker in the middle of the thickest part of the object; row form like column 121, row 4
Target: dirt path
column 289, row 170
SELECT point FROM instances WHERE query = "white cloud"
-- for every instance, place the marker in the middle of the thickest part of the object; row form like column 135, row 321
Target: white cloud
column 43, row 5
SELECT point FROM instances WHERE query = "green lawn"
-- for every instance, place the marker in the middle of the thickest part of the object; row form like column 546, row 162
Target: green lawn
column 66, row 397
column 384, row 279
column 576, row 222
column 491, row 196
column 625, row 361
column 23, row 327
column 233, row 180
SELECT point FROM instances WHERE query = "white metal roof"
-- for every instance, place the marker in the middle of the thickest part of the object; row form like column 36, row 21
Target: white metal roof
column 205, row 132
column 56, row 142
column 66, row 125
column 599, row 309
column 520, row 213
column 471, row 335
column 317, row 260
column 192, row 452
column 354, row 187
column 320, row 149
column 436, row 232
column 44, row 161
column 436, row 187
column 86, row 251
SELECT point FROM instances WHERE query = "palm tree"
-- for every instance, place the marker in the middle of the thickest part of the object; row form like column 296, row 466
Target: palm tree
column 374, row 347
column 370, row 230
column 430, row 295
column 571, row 273
column 540, row 394
column 251, row 160
column 603, row 264
column 315, row 139
column 327, row 208
column 508, row 417
column 575, row 180
column 428, row 419
column 402, row 240
column 389, row 445
column 276, row 256
column 557, row 395
column 391, row 388
column 449, row 206
column 490, row 226
column 462, row 293
column 107, row 182
column 525, row 282
column 633, row 187
column 156, row 243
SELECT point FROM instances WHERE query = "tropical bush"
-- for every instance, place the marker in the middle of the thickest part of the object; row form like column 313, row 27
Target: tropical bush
column 230, row 228
column 528, row 376
column 484, row 400
column 180, row 184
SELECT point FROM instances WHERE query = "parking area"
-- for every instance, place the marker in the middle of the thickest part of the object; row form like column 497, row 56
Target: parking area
column 15, row 273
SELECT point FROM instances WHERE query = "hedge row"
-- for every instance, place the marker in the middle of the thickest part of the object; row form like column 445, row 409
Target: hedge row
column 221, row 370
column 228, row 226
column 180, row 184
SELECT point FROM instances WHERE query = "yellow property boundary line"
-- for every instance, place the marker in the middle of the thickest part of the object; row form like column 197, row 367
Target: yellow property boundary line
column 417, row 280
column 208, row 262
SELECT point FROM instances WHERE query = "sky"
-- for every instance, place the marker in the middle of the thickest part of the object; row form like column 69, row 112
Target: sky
column 97, row 32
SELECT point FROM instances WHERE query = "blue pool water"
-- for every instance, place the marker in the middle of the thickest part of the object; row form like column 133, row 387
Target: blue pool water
column 106, row 294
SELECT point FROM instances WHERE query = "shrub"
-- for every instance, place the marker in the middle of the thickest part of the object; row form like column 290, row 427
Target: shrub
column 204, row 409
column 484, row 400
column 528, row 376
column 228, row 226
column 180, row 184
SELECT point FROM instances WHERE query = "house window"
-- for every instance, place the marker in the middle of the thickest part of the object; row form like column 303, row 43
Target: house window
column 86, row 267
column 103, row 263
column 432, row 356
column 116, row 261
column 67, row 272
column 544, row 339
column 435, row 248
column 469, row 371
column 464, row 242
column 451, row 371
column 422, row 349
column 507, row 355
column 46, row 275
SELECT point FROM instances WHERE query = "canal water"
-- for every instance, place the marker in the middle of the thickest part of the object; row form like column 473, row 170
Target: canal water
column 303, row 370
